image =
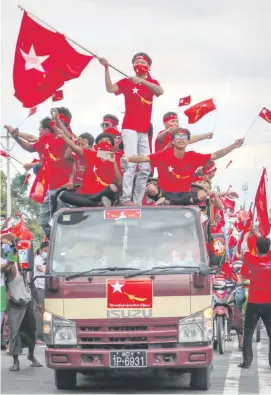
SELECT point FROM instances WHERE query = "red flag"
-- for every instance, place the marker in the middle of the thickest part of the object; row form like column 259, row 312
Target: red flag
column 4, row 154
column 40, row 185
column 43, row 61
column 20, row 230
column 32, row 111
column 261, row 207
column 58, row 95
column 228, row 165
column 219, row 221
column 229, row 203
column 185, row 101
column 265, row 114
column 196, row 112
column 26, row 180
column 129, row 293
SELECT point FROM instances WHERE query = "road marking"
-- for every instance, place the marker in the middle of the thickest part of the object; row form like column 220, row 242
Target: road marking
column 231, row 385
column 264, row 371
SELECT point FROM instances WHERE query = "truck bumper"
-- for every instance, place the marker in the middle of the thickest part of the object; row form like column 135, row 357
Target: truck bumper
column 160, row 358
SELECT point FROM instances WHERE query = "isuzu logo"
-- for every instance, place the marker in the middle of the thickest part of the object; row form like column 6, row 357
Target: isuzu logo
column 120, row 313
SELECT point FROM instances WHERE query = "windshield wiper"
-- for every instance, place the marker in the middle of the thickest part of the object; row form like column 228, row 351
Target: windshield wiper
column 161, row 269
column 100, row 270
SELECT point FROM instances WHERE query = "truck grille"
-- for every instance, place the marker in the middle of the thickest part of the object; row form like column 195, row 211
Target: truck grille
column 127, row 336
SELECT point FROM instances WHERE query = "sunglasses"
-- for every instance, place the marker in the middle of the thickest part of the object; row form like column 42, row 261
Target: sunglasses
column 106, row 124
column 182, row 136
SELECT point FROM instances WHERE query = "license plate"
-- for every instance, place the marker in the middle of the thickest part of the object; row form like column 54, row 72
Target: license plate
column 128, row 359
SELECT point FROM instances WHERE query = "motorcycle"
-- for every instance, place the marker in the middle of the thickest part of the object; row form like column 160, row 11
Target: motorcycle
column 223, row 310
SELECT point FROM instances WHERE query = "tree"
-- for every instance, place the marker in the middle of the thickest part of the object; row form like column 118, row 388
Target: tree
column 20, row 202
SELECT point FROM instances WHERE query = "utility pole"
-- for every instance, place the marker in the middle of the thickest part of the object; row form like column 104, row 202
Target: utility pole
column 7, row 137
column 244, row 189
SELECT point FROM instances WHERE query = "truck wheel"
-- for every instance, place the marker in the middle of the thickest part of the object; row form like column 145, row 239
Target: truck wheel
column 258, row 332
column 65, row 379
column 201, row 378
column 220, row 334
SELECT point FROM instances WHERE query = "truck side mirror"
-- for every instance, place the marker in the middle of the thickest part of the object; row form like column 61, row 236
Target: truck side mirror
column 24, row 248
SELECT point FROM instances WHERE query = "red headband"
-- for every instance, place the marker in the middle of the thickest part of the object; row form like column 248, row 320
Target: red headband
column 209, row 169
column 170, row 117
column 142, row 57
column 64, row 118
column 110, row 120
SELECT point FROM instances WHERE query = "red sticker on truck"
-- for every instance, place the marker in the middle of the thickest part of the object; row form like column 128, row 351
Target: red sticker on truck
column 122, row 214
column 129, row 294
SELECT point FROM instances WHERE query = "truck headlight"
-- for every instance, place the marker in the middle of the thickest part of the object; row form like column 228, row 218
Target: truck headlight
column 197, row 327
column 58, row 330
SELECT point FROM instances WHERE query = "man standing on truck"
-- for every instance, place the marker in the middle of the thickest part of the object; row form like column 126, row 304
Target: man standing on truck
column 176, row 168
column 52, row 151
column 138, row 91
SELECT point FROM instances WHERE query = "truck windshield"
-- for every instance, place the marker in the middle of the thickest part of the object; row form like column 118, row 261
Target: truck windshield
column 139, row 239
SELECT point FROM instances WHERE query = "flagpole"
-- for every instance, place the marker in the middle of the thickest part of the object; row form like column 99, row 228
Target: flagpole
column 250, row 127
column 71, row 40
column 8, row 180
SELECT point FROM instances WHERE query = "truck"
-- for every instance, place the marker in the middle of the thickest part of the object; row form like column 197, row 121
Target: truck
column 128, row 289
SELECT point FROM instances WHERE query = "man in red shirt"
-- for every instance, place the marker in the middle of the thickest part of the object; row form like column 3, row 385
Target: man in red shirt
column 258, row 270
column 52, row 150
column 171, row 122
column 101, row 176
column 138, row 92
column 176, row 168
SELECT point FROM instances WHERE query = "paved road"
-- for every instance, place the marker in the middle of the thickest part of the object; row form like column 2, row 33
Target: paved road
column 227, row 378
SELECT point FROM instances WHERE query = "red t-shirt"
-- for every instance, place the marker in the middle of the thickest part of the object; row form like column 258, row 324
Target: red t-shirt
column 260, row 277
column 98, row 175
column 53, row 151
column 176, row 175
column 138, row 104
column 80, row 167
column 160, row 145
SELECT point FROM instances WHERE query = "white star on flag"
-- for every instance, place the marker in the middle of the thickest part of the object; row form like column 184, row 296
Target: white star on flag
column 94, row 168
column 33, row 61
column 47, row 146
column 170, row 169
column 135, row 90
column 264, row 111
column 181, row 101
column 117, row 287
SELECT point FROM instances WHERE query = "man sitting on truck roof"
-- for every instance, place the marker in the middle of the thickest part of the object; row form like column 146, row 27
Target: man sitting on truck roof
column 176, row 168
column 101, row 178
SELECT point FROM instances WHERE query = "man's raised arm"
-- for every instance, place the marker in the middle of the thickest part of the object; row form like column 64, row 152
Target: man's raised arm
column 22, row 143
column 225, row 151
column 75, row 148
column 137, row 159
column 200, row 137
column 110, row 87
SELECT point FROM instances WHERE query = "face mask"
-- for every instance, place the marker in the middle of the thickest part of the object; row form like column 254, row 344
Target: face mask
column 141, row 69
column 6, row 248
column 104, row 146
column 43, row 254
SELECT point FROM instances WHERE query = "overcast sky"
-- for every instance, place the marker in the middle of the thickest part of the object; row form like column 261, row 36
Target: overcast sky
column 210, row 48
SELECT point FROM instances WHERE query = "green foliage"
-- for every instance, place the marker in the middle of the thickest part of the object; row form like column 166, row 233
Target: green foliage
column 21, row 203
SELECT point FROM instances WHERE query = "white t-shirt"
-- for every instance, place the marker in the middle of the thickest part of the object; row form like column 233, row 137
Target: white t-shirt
column 39, row 282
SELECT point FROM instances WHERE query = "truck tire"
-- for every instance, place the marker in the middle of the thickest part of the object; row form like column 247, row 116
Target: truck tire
column 258, row 332
column 65, row 379
column 220, row 330
column 201, row 378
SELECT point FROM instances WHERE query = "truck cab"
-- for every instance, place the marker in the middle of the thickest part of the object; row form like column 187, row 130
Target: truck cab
column 128, row 289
